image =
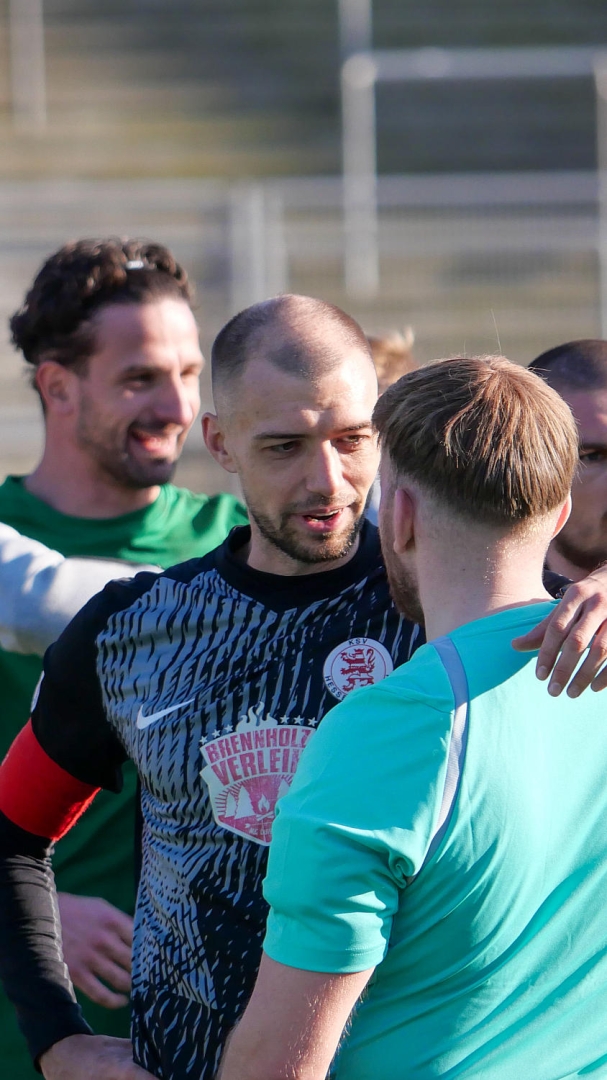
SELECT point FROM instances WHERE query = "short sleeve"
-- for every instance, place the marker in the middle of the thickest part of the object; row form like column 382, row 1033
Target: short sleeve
column 356, row 825
column 68, row 716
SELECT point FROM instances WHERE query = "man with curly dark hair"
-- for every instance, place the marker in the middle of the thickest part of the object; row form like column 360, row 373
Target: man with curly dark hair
column 108, row 330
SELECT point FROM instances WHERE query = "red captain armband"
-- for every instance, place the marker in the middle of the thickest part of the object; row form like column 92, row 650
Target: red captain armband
column 38, row 795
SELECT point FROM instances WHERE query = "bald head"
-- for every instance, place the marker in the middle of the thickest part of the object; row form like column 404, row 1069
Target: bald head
column 574, row 366
column 302, row 336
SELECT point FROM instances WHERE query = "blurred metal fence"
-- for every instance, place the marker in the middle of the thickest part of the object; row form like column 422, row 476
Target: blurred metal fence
column 475, row 263
column 362, row 72
column 471, row 262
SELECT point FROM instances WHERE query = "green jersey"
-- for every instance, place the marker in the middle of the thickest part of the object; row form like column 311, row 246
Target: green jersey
column 96, row 857
column 448, row 827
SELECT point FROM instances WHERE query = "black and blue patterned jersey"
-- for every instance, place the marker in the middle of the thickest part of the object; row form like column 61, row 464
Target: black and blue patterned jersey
column 211, row 677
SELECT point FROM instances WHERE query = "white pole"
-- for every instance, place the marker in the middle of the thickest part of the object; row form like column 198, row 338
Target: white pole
column 355, row 26
column 277, row 255
column 28, row 77
column 248, row 245
column 361, row 256
column 600, row 82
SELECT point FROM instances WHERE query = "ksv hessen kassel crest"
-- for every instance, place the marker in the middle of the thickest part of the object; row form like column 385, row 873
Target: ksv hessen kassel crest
column 358, row 662
column 249, row 770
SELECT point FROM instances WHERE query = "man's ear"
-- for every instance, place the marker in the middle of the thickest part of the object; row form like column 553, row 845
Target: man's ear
column 57, row 386
column 404, row 521
column 563, row 516
column 215, row 442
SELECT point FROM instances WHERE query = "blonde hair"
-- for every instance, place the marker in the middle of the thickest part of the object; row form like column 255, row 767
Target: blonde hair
column 488, row 438
column 392, row 356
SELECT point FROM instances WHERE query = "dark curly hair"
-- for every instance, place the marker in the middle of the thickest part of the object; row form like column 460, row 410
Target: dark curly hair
column 55, row 321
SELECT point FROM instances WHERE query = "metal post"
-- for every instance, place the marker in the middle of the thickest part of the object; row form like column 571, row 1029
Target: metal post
column 600, row 82
column 355, row 26
column 248, row 245
column 361, row 261
column 360, row 74
column 28, row 78
column 277, row 257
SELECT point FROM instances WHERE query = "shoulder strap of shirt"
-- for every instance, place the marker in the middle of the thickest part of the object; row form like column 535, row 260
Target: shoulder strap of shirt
column 456, row 674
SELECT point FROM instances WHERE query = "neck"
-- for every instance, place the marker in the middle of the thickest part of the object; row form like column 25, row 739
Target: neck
column 73, row 485
column 560, row 565
column 457, row 590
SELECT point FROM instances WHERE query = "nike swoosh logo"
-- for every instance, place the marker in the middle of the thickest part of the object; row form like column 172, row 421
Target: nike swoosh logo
column 145, row 721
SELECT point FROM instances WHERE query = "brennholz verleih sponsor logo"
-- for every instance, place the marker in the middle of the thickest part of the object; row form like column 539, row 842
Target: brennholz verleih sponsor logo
column 248, row 770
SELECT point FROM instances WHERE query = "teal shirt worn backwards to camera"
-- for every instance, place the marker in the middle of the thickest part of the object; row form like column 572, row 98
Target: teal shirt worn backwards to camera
column 96, row 857
column 489, row 940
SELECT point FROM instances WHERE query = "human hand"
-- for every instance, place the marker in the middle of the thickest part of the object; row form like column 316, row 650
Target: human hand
column 97, row 941
column 579, row 621
column 80, row 1057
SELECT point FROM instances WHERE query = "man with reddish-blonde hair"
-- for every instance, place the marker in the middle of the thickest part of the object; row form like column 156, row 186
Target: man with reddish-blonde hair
column 446, row 831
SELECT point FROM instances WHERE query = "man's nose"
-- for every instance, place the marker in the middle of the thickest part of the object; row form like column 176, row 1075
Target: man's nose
column 324, row 472
column 176, row 403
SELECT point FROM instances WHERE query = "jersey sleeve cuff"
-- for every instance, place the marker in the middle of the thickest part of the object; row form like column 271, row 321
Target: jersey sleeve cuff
column 301, row 955
column 43, row 1029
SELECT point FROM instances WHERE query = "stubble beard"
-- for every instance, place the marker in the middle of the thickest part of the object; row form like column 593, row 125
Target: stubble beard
column 107, row 446
column 588, row 559
column 403, row 587
column 317, row 550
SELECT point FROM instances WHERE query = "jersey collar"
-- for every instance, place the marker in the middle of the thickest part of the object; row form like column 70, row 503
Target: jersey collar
column 282, row 592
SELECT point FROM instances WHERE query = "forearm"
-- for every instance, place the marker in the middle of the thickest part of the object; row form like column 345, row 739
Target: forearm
column 39, row 801
column 52, row 772
column 31, row 965
column 249, row 1057
column 292, row 1025
column 40, row 590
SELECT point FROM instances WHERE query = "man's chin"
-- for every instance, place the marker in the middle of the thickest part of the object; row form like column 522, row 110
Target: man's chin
column 301, row 546
column 157, row 475
column 587, row 559
column 139, row 475
column 319, row 549
column 326, row 550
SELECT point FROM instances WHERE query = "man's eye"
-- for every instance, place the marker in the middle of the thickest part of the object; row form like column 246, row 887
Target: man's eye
column 352, row 442
column 144, row 379
column 590, row 457
column 283, row 448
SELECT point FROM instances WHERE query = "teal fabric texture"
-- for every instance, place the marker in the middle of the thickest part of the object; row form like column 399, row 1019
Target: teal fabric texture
column 489, row 948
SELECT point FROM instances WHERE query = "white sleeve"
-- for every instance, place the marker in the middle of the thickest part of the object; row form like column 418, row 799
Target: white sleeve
column 41, row 590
